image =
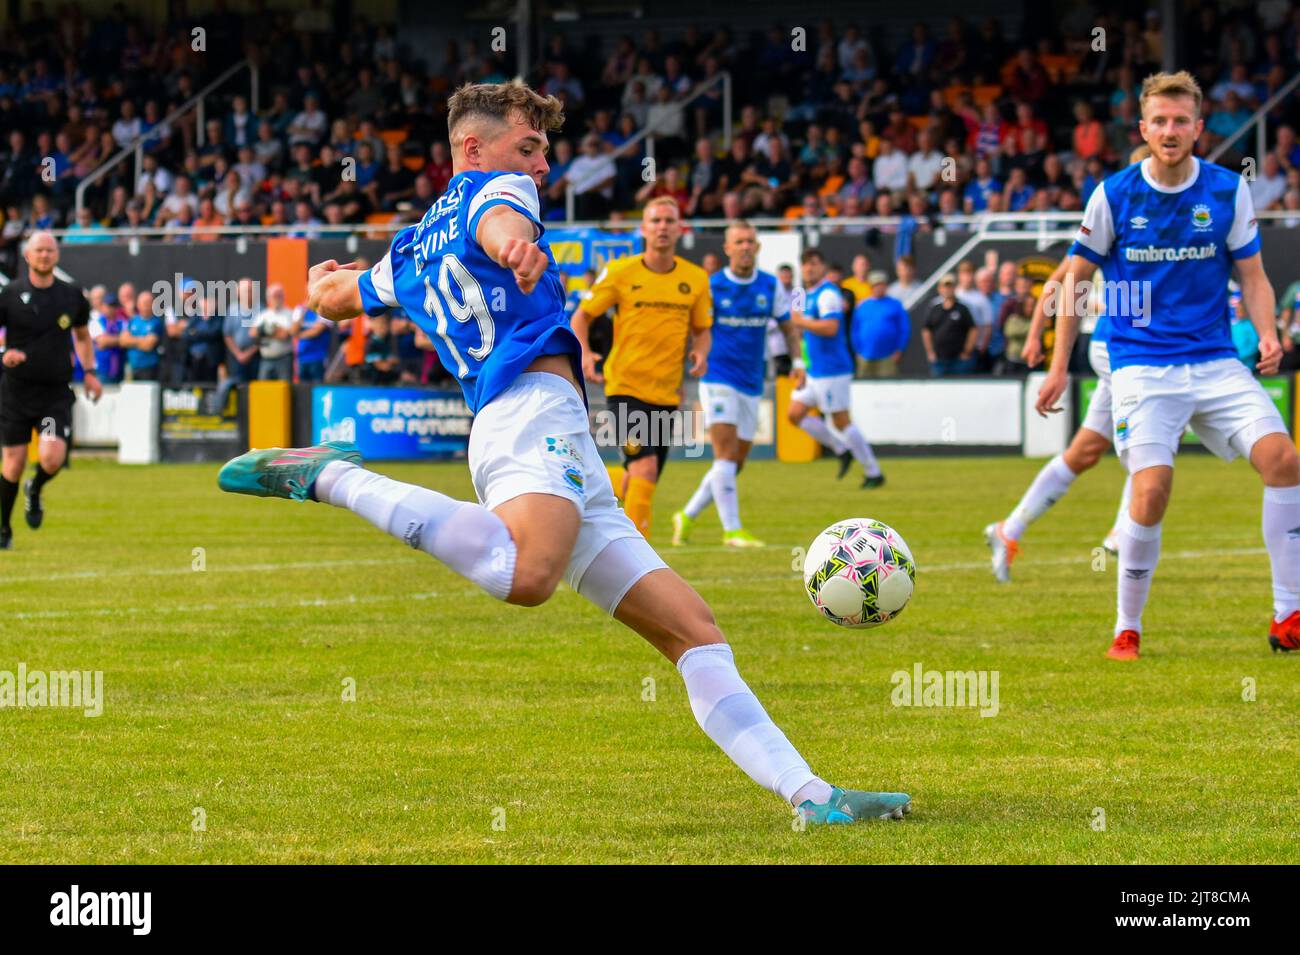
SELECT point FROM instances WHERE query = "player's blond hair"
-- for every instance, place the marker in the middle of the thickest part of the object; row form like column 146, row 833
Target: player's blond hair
column 498, row 102
column 662, row 201
column 1181, row 83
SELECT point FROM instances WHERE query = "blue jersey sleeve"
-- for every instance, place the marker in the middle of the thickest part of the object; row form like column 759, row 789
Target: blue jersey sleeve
column 379, row 285
column 1096, row 233
column 515, row 190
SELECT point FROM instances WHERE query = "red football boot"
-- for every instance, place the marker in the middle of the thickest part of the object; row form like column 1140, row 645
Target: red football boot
column 1125, row 646
column 1285, row 636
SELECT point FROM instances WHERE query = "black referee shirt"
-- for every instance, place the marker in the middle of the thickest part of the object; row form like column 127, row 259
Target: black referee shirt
column 39, row 323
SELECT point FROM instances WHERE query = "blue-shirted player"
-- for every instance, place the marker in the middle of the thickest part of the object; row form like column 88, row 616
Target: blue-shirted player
column 1169, row 231
column 744, row 301
column 1090, row 442
column 477, row 275
column 829, row 372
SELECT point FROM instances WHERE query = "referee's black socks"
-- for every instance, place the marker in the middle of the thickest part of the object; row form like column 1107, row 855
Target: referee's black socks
column 8, row 494
column 39, row 477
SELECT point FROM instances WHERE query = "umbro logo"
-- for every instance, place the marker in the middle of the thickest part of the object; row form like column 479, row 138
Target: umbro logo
column 1294, row 533
column 635, row 287
column 26, row 297
column 1138, row 222
column 1137, row 573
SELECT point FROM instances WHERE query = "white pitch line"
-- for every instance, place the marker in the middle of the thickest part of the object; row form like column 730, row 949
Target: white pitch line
column 350, row 599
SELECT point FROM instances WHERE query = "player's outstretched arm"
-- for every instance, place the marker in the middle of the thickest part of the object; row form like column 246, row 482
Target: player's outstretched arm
column 333, row 292
column 1261, row 305
column 510, row 240
column 1067, row 328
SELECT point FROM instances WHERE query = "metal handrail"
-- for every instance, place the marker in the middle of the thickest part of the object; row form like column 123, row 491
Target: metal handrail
column 136, row 146
column 346, row 230
column 647, row 134
column 1256, row 120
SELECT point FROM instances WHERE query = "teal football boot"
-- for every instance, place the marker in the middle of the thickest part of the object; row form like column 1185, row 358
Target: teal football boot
column 852, row 805
column 289, row 473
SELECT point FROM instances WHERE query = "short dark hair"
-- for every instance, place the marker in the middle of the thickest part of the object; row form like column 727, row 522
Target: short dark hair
column 810, row 254
column 497, row 101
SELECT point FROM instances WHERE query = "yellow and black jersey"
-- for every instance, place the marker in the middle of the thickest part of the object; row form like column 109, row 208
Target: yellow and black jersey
column 655, row 313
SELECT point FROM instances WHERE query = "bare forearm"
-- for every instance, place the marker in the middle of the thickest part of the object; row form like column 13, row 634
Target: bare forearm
column 85, row 350
column 580, row 322
column 1261, row 305
column 701, row 340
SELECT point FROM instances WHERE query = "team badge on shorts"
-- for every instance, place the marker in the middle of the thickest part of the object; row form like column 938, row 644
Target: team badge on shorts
column 568, row 459
column 1121, row 429
column 573, row 477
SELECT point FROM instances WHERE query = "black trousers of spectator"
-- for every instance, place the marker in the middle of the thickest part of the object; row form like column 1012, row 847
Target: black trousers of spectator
column 202, row 369
column 590, row 205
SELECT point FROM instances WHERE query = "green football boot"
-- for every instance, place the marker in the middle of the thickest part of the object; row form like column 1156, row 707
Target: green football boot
column 740, row 538
column 681, row 528
column 289, row 473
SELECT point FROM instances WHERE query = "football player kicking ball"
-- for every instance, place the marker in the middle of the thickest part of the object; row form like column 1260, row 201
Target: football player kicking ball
column 829, row 371
column 1171, row 228
column 1086, row 449
column 744, row 301
column 547, row 509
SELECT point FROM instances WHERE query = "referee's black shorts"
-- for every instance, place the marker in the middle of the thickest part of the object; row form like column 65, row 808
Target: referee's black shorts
column 644, row 429
column 27, row 405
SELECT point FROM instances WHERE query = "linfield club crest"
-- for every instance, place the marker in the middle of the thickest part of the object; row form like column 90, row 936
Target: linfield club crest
column 1201, row 217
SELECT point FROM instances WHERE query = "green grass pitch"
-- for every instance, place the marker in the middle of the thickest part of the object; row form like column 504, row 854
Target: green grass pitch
column 487, row 733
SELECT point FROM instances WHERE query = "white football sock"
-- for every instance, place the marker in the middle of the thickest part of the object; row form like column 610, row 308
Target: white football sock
column 731, row 716
column 467, row 537
column 723, row 480
column 821, row 432
column 1047, row 488
column 1124, row 498
column 1139, row 550
column 1282, row 538
column 702, row 497
column 862, row 452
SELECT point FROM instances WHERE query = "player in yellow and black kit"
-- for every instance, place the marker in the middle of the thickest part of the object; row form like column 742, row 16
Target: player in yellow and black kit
column 661, row 300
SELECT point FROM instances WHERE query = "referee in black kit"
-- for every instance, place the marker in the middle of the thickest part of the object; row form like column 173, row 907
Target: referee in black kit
column 44, row 319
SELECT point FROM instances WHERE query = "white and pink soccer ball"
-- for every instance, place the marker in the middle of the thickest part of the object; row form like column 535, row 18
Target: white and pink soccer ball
column 859, row 573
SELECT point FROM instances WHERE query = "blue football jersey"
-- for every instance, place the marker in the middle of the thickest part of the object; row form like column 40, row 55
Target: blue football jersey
column 486, row 331
column 1167, row 256
column 828, row 355
column 741, row 310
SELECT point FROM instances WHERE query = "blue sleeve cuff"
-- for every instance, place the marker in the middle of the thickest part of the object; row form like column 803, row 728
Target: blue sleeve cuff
column 1078, row 248
column 370, row 300
column 1247, row 250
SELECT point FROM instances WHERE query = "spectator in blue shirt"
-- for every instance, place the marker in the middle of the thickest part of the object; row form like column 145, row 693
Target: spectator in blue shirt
column 975, row 197
column 313, row 336
column 143, row 340
column 880, row 330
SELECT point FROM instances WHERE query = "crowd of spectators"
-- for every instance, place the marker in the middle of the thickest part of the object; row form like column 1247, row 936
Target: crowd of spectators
column 956, row 118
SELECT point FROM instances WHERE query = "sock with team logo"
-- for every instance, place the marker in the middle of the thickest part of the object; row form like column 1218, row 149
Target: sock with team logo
column 1282, row 538
column 639, row 503
column 467, row 537
column 1048, row 487
column 702, row 497
column 730, row 715
column 862, row 452
column 821, row 432
column 1139, row 550
column 722, row 478
column 8, row 494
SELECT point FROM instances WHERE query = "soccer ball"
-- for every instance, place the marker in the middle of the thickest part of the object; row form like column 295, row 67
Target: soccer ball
column 859, row 573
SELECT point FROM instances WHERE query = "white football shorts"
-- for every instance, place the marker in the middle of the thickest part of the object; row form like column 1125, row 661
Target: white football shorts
column 534, row 438
column 723, row 404
column 827, row 395
column 1221, row 400
column 1098, row 418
